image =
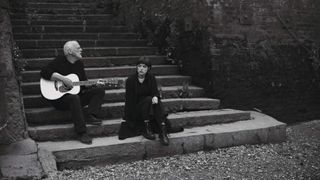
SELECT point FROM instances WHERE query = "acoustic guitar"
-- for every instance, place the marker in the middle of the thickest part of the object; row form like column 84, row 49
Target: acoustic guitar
column 53, row 90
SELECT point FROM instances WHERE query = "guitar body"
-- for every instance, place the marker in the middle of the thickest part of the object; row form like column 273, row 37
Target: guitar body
column 53, row 90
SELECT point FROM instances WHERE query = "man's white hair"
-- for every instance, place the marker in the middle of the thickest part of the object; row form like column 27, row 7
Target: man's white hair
column 69, row 46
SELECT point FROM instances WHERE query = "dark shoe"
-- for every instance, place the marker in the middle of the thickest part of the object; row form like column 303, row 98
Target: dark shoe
column 163, row 136
column 93, row 120
column 148, row 133
column 85, row 138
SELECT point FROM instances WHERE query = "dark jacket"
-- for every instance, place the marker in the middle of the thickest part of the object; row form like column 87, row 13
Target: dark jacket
column 132, row 126
column 131, row 94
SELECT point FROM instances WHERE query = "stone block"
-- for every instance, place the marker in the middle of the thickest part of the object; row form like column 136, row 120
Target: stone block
column 155, row 149
column 277, row 134
column 201, row 118
column 264, row 129
column 47, row 161
column 113, row 151
column 20, row 166
column 24, row 147
column 229, row 139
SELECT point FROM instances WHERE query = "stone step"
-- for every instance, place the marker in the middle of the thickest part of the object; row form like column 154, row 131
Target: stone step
column 43, row 44
column 69, row 1
column 59, row 5
column 94, row 9
column 110, row 150
column 68, row 28
column 26, row 22
column 108, row 61
column 111, row 127
column 92, row 52
column 49, row 115
column 97, row 72
column 115, row 95
column 33, row 88
column 88, row 17
column 77, row 36
column 75, row 10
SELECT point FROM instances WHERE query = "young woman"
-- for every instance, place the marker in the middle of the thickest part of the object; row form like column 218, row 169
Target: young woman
column 143, row 112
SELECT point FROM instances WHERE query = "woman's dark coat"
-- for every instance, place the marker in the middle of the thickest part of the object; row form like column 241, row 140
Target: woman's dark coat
column 133, row 126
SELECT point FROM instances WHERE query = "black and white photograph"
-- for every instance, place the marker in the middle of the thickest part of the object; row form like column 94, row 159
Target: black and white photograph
column 160, row 89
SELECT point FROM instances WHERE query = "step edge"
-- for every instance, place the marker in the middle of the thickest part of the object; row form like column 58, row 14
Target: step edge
column 53, row 147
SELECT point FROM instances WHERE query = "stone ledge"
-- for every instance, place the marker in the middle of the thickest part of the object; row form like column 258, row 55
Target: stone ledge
column 111, row 127
column 24, row 147
column 20, row 160
column 261, row 129
column 115, row 110
column 20, row 166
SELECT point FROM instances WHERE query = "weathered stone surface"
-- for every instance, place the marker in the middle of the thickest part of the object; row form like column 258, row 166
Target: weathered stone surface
column 20, row 166
column 91, row 52
column 201, row 118
column 107, row 61
column 15, row 129
column 264, row 130
column 105, row 72
column 260, row 129
column 111, row 127
column 3, row 102
column 115, row 110
column 47, row 161
column 179, row 144
column 102, row 151
column 20, row 160
column 115, row 95
column 155, row 149
column 24, row 147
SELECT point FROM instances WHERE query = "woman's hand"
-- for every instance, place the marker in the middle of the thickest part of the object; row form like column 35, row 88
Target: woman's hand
column 155, row 100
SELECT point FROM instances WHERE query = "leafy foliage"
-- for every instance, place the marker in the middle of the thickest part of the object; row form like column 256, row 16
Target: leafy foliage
column 19, row 62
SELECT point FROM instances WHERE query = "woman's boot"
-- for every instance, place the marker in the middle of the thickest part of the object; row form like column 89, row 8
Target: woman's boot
column 163, row 136
column 148, row 132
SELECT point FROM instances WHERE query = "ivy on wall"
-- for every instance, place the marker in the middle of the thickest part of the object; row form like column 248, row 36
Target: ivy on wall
column 19, row 62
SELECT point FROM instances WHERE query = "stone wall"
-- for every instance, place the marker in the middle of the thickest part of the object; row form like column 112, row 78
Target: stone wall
column 268, row 56
column 15, row 129
column 251, row 54
column 273, row 19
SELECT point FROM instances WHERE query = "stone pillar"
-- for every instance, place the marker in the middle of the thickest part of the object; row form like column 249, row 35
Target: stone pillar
column 15, row 129
column 3, row 102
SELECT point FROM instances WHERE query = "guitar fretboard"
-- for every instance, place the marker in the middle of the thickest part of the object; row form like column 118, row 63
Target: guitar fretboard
column 83, row 83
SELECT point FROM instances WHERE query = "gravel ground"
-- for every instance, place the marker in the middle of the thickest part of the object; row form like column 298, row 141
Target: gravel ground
column 297, row 158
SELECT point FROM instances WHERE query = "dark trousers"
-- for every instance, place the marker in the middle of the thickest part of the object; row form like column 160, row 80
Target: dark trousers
column 93, row 97
column 148, row 111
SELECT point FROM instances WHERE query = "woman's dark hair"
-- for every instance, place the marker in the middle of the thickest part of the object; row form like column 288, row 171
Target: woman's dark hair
column 144, row 60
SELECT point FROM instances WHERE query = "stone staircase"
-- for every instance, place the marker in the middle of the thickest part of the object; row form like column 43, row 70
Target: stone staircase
column 110, row 50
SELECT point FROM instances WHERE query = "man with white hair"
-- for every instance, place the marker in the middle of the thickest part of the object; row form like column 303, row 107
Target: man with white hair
column 57, row 70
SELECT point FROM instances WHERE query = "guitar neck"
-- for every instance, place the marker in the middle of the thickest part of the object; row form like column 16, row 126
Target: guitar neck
column 84, row 83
